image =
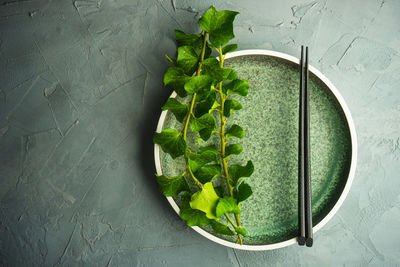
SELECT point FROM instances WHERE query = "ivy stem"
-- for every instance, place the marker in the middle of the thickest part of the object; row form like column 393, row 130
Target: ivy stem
column 197, row 182
column 224, row 141
column 229, row 220
column 191, row 114
column 193, row 100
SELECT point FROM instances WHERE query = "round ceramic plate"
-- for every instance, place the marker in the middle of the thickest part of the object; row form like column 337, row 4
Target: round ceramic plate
column 270, row 118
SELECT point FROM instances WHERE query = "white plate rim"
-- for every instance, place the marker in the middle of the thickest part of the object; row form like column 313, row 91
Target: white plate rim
column 353, row 163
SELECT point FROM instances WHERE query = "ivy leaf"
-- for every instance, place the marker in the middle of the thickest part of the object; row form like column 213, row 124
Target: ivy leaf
column 187, row 59
column 220, row 228
column 177, row 108
column 244, row 192
column 231, row 105
column 198, row 83
column 190, row 216
column 196, row 161
column 240, row 87
column 194, row 217
column 204, row 106
column 172, row 186
column 229, row 48
column 211, row 67
column 233, row 149
column 235, row 131
column 171, row 142
column 205, row 200
column 205, row 134
column 193, row 40
column 241, row 230
column 205, row 121
column 231, row 74
column 202, row 95
column 219, row 24
column 226, row 205
column 211, row 148
column 176, row 78
column 208, row 172
column 237, row 172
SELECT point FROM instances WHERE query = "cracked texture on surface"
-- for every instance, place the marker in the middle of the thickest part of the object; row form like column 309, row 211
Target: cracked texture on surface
column 80, row 95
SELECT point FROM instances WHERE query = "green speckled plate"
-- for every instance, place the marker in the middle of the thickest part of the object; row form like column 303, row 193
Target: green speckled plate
column 270, row 118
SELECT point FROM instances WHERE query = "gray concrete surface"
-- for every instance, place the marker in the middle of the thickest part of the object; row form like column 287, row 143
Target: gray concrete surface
column 80, row 94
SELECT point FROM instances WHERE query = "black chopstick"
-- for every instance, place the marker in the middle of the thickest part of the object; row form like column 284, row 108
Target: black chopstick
column 307, row 155
column 301, row 239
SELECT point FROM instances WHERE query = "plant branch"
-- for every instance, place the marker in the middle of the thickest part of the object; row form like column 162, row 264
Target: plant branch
column 229, row 220
column 197, row 182
column 178, row 142
column 193, row 100
column 224, row 141
column 203, row 50
column 191, row 114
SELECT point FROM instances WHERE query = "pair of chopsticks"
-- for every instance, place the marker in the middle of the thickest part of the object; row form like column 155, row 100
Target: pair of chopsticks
column 305, row 212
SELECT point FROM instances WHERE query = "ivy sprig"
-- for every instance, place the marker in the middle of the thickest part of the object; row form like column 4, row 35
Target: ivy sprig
column 203, row 79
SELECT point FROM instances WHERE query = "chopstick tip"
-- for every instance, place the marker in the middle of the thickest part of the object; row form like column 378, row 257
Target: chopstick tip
column 309, row 242
column 301, row 240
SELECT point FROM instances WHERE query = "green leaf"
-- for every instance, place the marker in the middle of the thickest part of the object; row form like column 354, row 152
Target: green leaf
column 176, row 78
column 240, row 87
column 205, row 200
column 208, row 172
column 178, row 109
column 196, row 161
column 241, row 230
column 190, row 216
column 204, row 106
column 198, row 83
column 244, row 192
column 219, row 24
column 205, row 134
column 235, row 131
column 205, row 121
column 229, row 48
column 183, row 38
column 226, row 205
column 233, row 149
column 231, row 105
column 187, row 59
column 230, row 74
column 211, row 148
column 220, row 228
column 211, row 67
column 171, row 142
column 202, row 95
column 193, row 40
column 172, row 186
column 194, row 217
column 237, row 172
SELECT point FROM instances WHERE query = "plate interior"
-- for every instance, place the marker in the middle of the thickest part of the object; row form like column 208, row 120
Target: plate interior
column 270, row 118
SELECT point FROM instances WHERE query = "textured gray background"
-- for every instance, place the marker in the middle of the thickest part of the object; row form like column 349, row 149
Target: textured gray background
column 80, row 95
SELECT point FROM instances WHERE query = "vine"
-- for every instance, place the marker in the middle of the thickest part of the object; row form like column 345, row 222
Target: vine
column 202, row 78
